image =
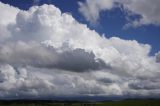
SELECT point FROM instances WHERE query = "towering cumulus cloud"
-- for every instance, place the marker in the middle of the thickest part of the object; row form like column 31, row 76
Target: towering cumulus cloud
column 47, row 54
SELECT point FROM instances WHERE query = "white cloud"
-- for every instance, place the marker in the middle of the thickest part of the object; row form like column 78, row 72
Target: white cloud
column 8, row 15
column 91, row 9
column 147, row 10
column 50, row 55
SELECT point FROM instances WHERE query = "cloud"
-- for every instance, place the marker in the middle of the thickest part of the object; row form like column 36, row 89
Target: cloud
column 35, row 2
column 91, row 9
column 146, row 11
column 49, row 55
column 158, row 57
column 19, row 54
column 8, row 15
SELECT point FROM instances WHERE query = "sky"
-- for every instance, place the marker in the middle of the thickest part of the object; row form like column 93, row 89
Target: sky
column 76, row 49
column 111, row 23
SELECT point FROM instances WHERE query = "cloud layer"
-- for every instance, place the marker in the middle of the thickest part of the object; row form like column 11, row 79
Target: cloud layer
column 146, row 11
column 48, row 54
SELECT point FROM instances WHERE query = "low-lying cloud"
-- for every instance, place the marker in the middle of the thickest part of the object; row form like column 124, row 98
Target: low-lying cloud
column 47, row 54
column 40, row 55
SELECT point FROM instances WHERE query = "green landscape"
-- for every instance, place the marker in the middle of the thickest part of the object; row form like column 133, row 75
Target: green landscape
column 69, row 103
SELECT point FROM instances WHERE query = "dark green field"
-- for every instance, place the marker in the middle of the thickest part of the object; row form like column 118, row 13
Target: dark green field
column 53, row 103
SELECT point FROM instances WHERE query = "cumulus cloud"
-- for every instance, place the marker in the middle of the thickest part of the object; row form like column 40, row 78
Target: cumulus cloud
column 19, row 54
column 8, row 15
column 49, row 55
column 147, row 11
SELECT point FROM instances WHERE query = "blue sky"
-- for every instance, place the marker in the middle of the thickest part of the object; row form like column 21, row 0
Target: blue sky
column 111, row 22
